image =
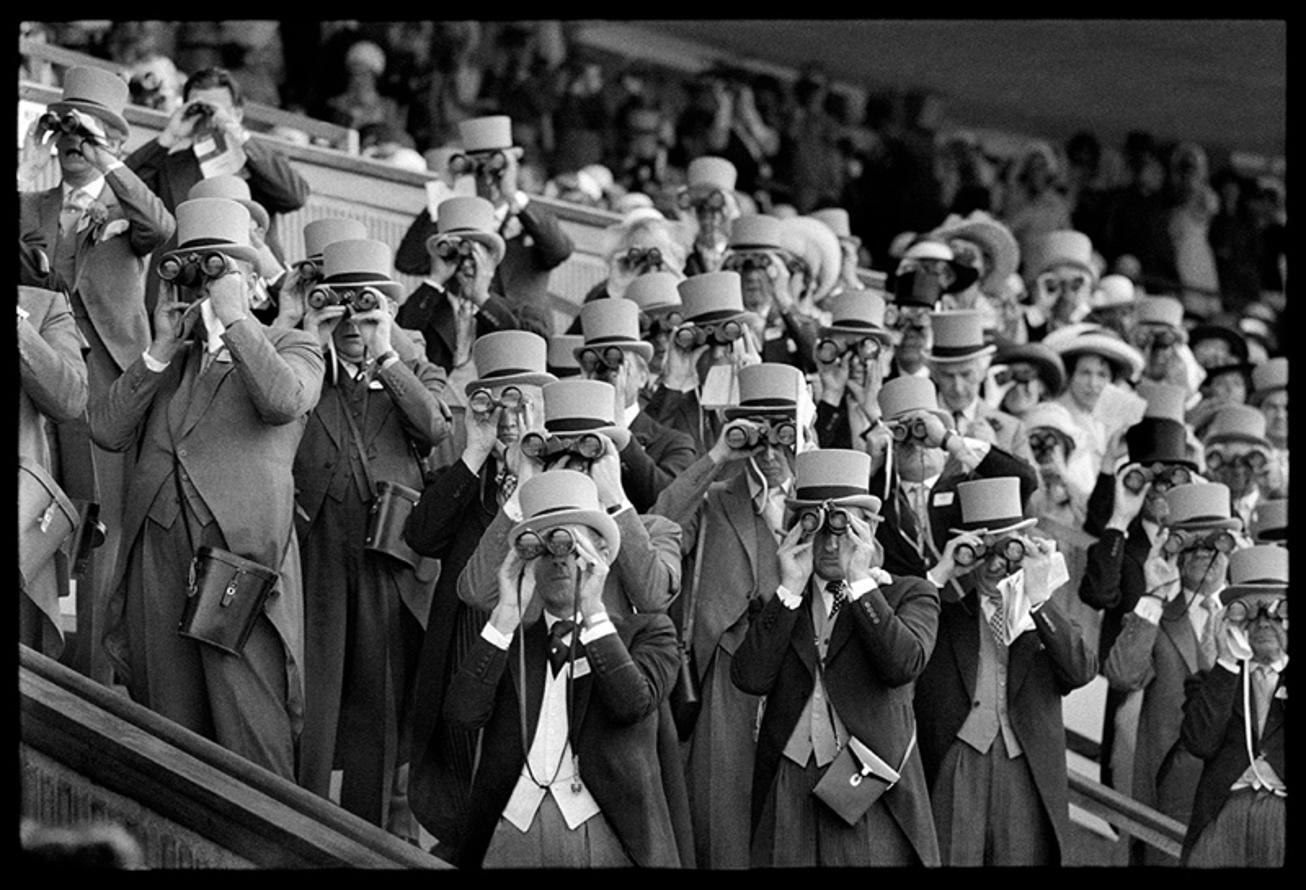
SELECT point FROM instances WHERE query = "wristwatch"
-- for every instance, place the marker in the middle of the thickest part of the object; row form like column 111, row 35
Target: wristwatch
column 385, row 358
column 947, row 434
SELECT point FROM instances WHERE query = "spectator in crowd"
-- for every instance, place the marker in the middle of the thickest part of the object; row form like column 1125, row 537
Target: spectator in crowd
column 156, row 83
column 644, row 241
column 1059, row 273
column 1054, row 439
column 838, row 221
column 362, row 102
column 512, row 83
column 831, row 684
column 385, row 143
column 981, row 242
column 1222, row 353
column 267, row 267
column 1238, row 455
column 1239, row 815
column 98, row 226
column 302, row 275
column 457, row 505
column 1136, row 234
column 1194, row 204
column 445, row 94
column 1022, row 377
column 723, row 120
column 1159, row 334
column 660, row 314
column 962, row 177
column 1271, row 220
column 853, row 354
column 205, row 138
column 1112, row 305
column 995, row 751
column 614, row 811
column 367, row 594
column 642, row 164
column 216, row 455
column 535, row 243
column 580, row 118
column 52, row 389
column 1270, row 395
column 1233, row 238
column 811, row 135
column 1183, row 574
column 31, row 68
column 709, row 194
column 818, row 264
column 925, row 273
column 1034, row 204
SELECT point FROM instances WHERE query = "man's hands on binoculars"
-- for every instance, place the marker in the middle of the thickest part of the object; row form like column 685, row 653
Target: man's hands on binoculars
column 795, row 555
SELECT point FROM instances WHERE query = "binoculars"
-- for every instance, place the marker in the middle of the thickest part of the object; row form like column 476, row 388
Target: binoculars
column 592, row 360
column 493, row 163
column 825, row 516
column 902, row 430
column 363, row 299
column 712, row 201
column 830, row 351
column 1254, row 461
column 1161, row 477
column 194, row 269
column 690, row 336
column 67, row 123
column 201, row 110
column 1042, row 444
column 556, row 542
column 1240, row 612
column 308, row 271
column 1158, row 338
column 752, row 432
column 538, row 446
column 455, row 249
column 481, row 401
column 1019, row 375
column 1220, row 541
column 1010, row 550
column 748, row 262
column 643, row 259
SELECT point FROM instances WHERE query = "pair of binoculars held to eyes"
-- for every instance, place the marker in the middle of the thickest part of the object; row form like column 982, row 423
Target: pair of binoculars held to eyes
column 1011, row 550
column 691, row 336
column 194, row 269
column 1161, row 477
column 540, row 446
column 362, row 299
column 1218, row 541
column 753, row 432
column 67, row 123
column 555, row 542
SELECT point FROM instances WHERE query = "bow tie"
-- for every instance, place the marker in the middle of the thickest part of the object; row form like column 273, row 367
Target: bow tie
column 558, row 650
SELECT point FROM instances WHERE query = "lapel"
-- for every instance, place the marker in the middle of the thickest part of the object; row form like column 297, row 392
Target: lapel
column 537, row 642
column 965, row 641
column 205, row 388
column 1020, row 658
column 738, row 507
column 841, row 633
column 442, row 319
column 1175, row 623
column 48, row 209
column 1274, row 720
column 181, row 398
column 803, row 639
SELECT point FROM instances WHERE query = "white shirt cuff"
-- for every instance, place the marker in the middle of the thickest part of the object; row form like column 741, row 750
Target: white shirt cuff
column 492, row 635
column 978, row 446
column 935, row 577
column 601, row 627
column 1149, row 609
column 789, row 600
column 113, row 165
column 154, row 364
column 857, row 588
column 1228, row 665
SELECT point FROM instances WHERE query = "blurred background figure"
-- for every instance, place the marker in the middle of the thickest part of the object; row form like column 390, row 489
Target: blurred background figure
column 1194, row 204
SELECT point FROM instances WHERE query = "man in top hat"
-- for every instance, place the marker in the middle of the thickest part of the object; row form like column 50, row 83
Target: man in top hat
column 270, row 269
column 364, row 609
column 980, row 241
column 988, row 705
column 853, row 354
column 612, row 351
column 1237, row 453
column 1159, row 334
column 534, row 243
column 568, row 707
column 661, row 311
column 1112, row 305
column 1053, row 441
column 709, row 198
column 561, row 359
column 926, row 272
column 1022, row 376
column 838, row 221
column 1270, row 524
column 959, row 362
column 1235, row 718
column 301, row 275
column 97, row 227
column 215, row 411
column 1270, row 395
column 457, row 505
column 1222, row 353
column 205, row 137
column 836, row 649
column 1060, row 275
column 643, row 242
column 52, row 388
column 1168, row 637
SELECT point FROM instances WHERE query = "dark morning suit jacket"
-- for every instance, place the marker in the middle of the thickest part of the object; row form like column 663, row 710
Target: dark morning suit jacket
column 1213, row 731
column 1042, row 666
column 878, row 647
column 656, row 455
column 614, row 732
column 430, row 311
column 110, row 273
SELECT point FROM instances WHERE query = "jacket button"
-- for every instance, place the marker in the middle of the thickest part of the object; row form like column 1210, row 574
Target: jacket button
column 326, row 464
column 975, row 703
column 181, row 452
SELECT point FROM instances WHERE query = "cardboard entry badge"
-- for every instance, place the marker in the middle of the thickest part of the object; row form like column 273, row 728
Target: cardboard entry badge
column 216, row 156
column 721, row 388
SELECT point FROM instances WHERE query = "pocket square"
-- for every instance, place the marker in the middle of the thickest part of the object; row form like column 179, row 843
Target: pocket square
column 116, row 227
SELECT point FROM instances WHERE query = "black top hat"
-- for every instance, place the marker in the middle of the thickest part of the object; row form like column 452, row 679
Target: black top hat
column 1159, row 440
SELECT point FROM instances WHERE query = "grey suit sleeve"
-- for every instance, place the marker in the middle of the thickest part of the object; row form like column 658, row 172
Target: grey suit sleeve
column 632, row 681
column 680, row 501
column 415, row 387
column 1129, row 663
column 285, row 380
column 116, row 420
column 150, row 222
column 648, row 563
column 50, row 364
column 478, row 583
column 898, row 641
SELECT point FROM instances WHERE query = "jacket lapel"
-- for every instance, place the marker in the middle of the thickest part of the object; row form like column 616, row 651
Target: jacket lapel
column 536, row 642
column 206, row 387
column 1274, row 719
column 965, row 641
column 741, row 516
column 180, row 402
column 1175, row 623
column 802, row 640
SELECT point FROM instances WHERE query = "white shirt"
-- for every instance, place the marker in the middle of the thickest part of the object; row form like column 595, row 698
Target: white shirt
column 856, row 590
column 632, row 411
column 93, row 189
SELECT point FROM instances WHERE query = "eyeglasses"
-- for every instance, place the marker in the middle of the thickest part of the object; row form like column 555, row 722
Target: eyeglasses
column 1254, row 461
column 750, row 261
column 593, row 360
column 1053, row 285
column 1162, row 478
column 641, row 258
column 830, row 351
column 308, row 271
column 481, row 401
column 491, row 163
column 194, row 268
column 751, row 432
column 827, row 516
column 363, row 299
column 715, row 201
column 555, row 542
column 1154, row 338
column 1043, row 443
column 913, row 428
column 1219, row 541
column 1011, row 551
column 1241, row 612
column 451, row 249
column 1018, row 375
column 542, row 446
column 691, row 335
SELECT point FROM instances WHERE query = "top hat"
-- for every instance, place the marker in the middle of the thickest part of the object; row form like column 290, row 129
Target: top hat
column 492, row 133
column 1053, row 416
column 1125, row 360
column 767, row 388
column 1062, row 248
column 958, row 336
column 654, row 292
column 509, row 358
column 1270, row 521
column 1112, row 291
column 97, row 92
column 1003, row 253
column 757, row 231
column 1160, row 310
column 908, row 394
column 612, row 323
column 360, row 262
column 583, row 406
column 1269, row 376
column 468, row 216
column 564, row 497
column 235, row 188
column 837, row 219
column 1048, row 364
column 712, row 296
column 1237, row 423
column 213, row 224
column 839, row 475
column 860, row 313
column 1199, row 506
column 927, row 247
column 1261, row 569
column 321, row 232
column 561, row 361
column 1164, row 400
column 1159, row 440
column 709, row 174
column 813, row 242
column 991, row 506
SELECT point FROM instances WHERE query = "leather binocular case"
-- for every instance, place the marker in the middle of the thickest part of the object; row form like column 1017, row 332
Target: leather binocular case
column 46, row 519
column 686, row 696
column 385, row 524
column 227, row 593
column 88, row 535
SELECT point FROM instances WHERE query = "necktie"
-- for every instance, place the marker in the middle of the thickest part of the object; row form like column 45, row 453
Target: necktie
column 998, row 623
column 465, row 314
column 959, row 423
column 1265, row 681
column 1206, row 650
column 839, row 592
column 558, row 650
column 73, row 207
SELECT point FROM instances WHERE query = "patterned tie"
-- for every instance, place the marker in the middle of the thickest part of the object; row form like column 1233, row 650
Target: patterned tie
column 837, row 590
column 558, row 650
column 998, row 623
column 73, row 207
column 1206, row 649
column 1266, row 679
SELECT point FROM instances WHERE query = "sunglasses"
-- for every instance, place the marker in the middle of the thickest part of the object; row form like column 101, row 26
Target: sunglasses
column 1018, row 375
column 363, row 299
column 830, row 351
column 455, row 248
column 542, row 446
column 555, row 542
column 1053, row 285
column 641, row 258
column 711, row 201
column 492, row 163
column 1161, row 477
column 593, row 360
column 1255, row 461
column 833, row 519
column 692, row 335
column 1011, row 551
column 751, row 432
column 1220, row 541
column 1242, row 612
column 193, row 269
column 481, row 401
column 750, row 262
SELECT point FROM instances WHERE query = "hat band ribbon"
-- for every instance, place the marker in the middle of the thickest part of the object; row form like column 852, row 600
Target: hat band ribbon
column 547, row 510
column 1207, row 517
column 612, row 338
column 995, row 522
column 209, row 242
column 576, row 424
column 957, row 351
column 358, row 278
column 506, row 372
column 768, row 402
column 857, row 323
column 829, row 492
column 715, row 315
column 464, row 230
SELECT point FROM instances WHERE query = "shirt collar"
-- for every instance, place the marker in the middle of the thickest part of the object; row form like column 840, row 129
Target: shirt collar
column 1277, row 665
column 632, row 411
column 550, row 619
column 214, row 328
column 758, row 488
column 969, row 411
column 94, row 188
column 910, row 487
